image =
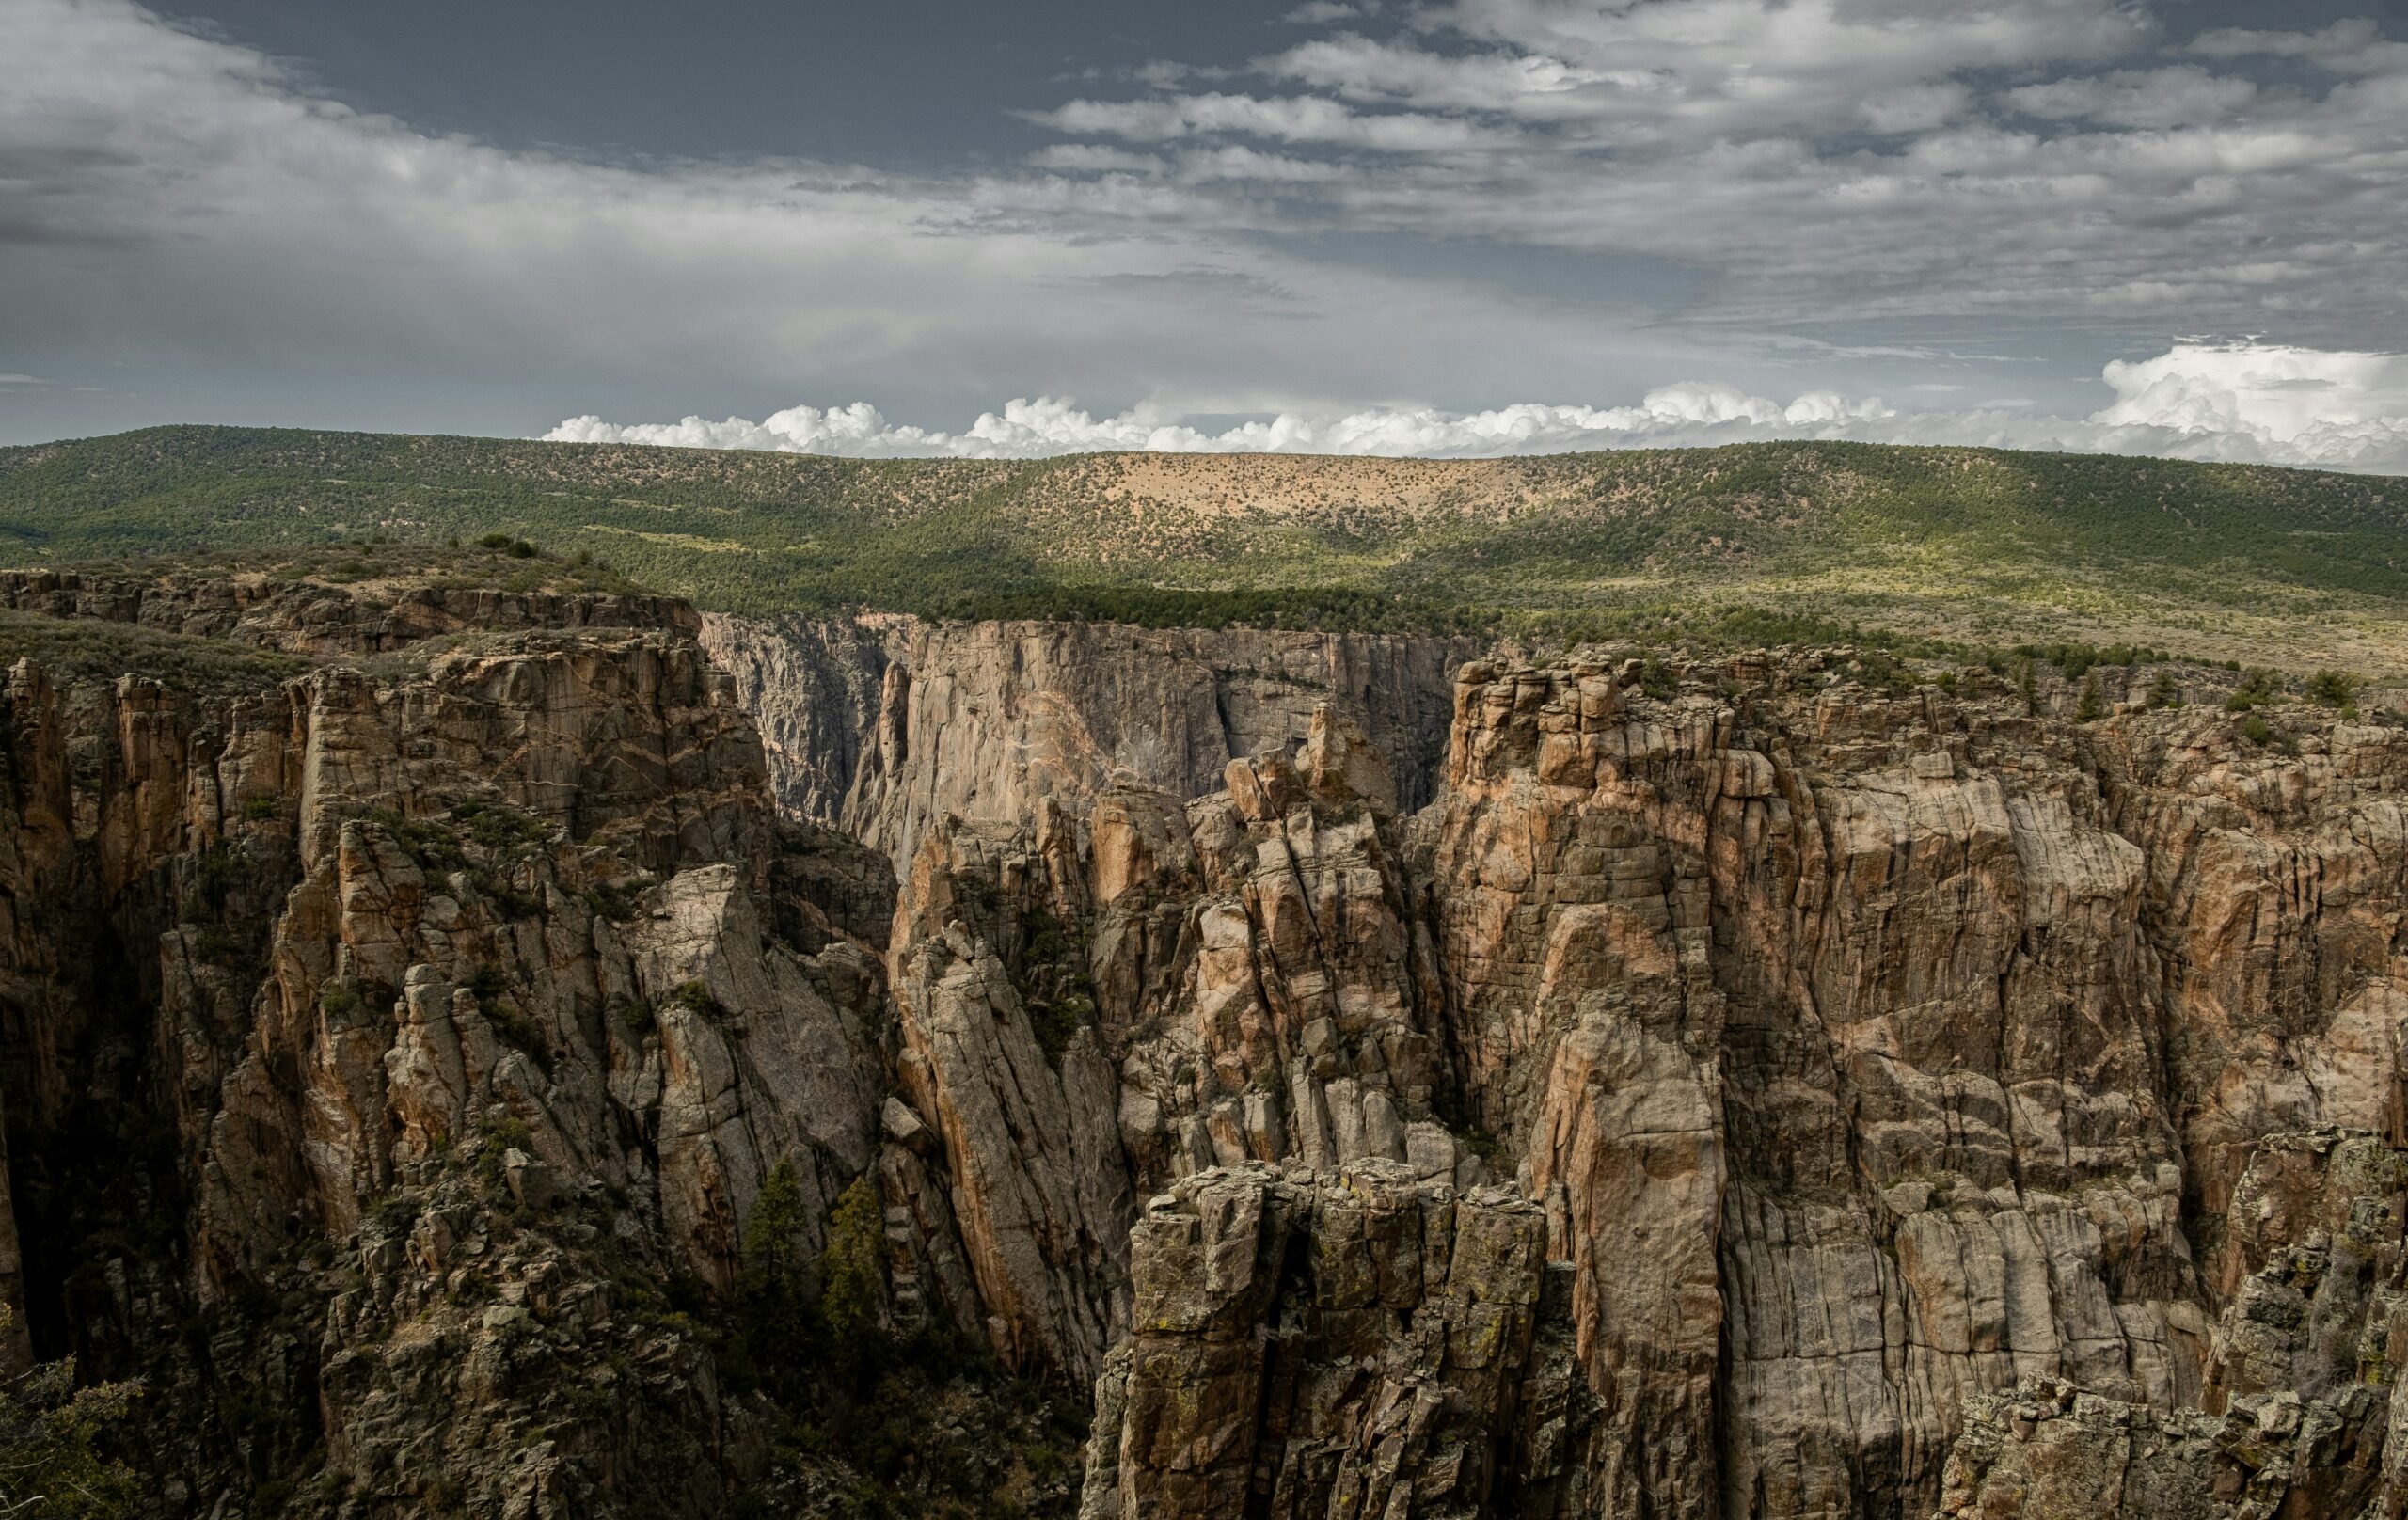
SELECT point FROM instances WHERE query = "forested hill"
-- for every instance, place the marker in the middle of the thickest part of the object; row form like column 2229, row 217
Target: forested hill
column 1973, row 544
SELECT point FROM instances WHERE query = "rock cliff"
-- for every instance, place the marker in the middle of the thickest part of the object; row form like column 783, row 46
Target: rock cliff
column 391, row 1047
column 1868, row 1050
column 884, row 724
column 1385, row 1080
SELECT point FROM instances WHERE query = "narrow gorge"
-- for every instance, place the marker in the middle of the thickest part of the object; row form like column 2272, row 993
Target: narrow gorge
column 456, row 1036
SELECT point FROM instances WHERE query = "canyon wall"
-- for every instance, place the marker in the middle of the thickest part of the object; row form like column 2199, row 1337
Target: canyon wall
column 1870, row 1052
column 379, row 1047
column 1388, row 1078
column 883, row 724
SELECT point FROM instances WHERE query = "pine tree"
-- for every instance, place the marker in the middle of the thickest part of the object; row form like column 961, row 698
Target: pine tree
column 48, row 1428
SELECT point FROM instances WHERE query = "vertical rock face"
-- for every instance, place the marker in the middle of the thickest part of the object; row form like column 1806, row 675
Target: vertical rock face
column 1880, row 1028
column 2296, row 1419
column 1040, row 1189
column 1367, row 1343
column 885, row 725
column 813, row 686
column 1293, row 1015
column 1844, row 1039
column 1755, row 1087
column 445, row 1007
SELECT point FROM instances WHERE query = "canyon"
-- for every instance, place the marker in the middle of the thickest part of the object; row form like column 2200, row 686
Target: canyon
column 1359, row 1072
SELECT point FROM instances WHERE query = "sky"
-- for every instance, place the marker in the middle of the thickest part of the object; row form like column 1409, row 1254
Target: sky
column 1463, row 227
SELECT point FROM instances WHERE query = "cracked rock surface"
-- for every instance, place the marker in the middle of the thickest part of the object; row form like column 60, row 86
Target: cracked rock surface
column 1368, row 1078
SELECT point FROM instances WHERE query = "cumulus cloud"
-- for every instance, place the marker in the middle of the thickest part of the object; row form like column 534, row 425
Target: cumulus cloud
column 2175, row 97
column 1047, row 426
column 2354, row 46
column 2240, row 402
column 2269, row 401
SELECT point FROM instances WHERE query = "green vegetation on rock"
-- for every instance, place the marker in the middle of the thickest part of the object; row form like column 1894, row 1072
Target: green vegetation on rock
column 51, row 1464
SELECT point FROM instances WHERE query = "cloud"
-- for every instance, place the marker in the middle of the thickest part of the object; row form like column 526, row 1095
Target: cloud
column 1047, row 426
column 2346, row 47
column 2292, row 404
column 180, row 205
column 1459, row 203
column 2237, row 401
column 1357, row 68
column 1094, row 158
column 2177, row 97
column 1321, row 12
column 1856, row 159
column 1292, row 119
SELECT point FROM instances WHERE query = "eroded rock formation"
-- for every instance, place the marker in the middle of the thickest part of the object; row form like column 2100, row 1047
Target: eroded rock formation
column 1868, row 1052
column 419, row 1028
column 1758, row 1086
column 883, row 725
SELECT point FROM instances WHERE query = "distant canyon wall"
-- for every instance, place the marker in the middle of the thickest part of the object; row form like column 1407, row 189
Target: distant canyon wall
column 881, row 725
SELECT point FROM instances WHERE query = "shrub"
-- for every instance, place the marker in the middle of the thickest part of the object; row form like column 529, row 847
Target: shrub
column 48, row 1429
column 611, row 900
column 2334, row 689
column 636, row 1017
column 2163, row 692
column 512, row 1023
column 1056, row 1023
column 2257, row 686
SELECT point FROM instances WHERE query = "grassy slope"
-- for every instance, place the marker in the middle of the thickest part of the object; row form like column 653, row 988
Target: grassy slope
column 2291, row 566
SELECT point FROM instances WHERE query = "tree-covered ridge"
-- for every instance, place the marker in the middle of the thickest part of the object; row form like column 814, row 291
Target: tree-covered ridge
column 1982, row 545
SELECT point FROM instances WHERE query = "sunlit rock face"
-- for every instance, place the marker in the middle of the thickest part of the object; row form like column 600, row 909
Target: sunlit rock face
column 883, row 725
column 1392, row 1081
column 1866, row 1053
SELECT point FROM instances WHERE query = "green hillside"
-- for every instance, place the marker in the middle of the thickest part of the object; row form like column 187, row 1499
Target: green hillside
column 1980, row 546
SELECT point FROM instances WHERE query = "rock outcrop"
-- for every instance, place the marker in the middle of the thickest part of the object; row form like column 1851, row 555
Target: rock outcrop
column 1841, row 1033
column 427, row 1023
column 1360, row 1343
column 1041, row 1193
column 883, row 725
column 1774, row 1086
